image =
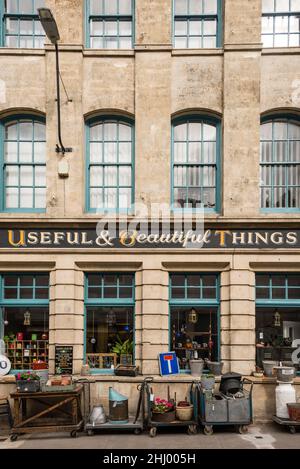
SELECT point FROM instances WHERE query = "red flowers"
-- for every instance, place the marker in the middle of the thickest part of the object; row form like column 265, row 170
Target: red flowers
column 162, row 405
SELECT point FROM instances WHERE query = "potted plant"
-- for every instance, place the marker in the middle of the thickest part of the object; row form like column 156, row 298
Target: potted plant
column 163, row 410
column 124, row 350
column 28, row 382
column 9, row 340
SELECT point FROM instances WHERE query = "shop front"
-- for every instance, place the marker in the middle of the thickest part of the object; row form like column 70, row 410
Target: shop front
column 128, row 304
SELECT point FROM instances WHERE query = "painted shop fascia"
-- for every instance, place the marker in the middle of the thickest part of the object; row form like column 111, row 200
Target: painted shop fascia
column 208, row 239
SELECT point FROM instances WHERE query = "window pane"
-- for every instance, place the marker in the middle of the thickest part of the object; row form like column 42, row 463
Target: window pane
column 180, row 132
column 178, row 279
column 26, row 27
column 180, row 42
column 96, row 7
column 26, row 198
column 110, row 132
column 266, row 131
column 193, row 293
column 111, row 43
column 125, row 28
column 267, row 24
column 125, row 7
column 110, row 176
column 96, row 176
column 11, row 152
column 196, row 7
column 262, row 280
column 11, row 132
column 195, row 42
column 180, row 152
column 195, row 28
column 282, row 5
column 180, row 197
column 125, row 152
column 281, row 40
column 12, row 26
column 111, row 7
column 262, row 293
column 209, row 198
column 209, row 293
column 194, row 155
column 193, row 280
column 295, row 5
column 11, row 199
column 194, row 197
column 25, row 6
column 40, row 176
column 26, row 42
column 181, row 7
column 125, row 176
column 209, row 42
column 40, row 152
column 280, row 151
column 278, row 280
column 178, row 293
column 294, row 281
column 96, row 198
column 96, row 133
column 12, row 176
column 111, row 28
column 26, row 176
column 39, row 131
column 210, row 6
column 209, row 132
column 125, row 43
column 209, row 280
column 10, row 280
column 124, row 198
column 110, row 198
column 278, row 293
column 209, row 152
column 26, row 131
column 96, row 28
column 97, row 43
column 267, row 40
column 124, row 133
column 12, row 6
column 96, row 152
column 194, row 131
column 281, row 24
column 110, row 152
column 25, row 152
column 209, row 27
column 180, row 28
column 125, row 279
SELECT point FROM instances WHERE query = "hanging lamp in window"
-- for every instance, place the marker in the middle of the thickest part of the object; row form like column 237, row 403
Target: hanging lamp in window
column 193, row 316
column 27, row 318
column 111, row 317
column 277, row 319
column 44, row 335
column 93, row 339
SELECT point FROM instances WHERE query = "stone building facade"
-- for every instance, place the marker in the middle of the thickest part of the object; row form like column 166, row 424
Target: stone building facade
column 239, row 84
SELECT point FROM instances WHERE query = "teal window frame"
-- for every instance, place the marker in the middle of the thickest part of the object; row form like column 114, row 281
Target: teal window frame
column 271, row 287
column 18, row 16
column 109, row 17
column 188, row 18
column 196, row 302
column 102, row 120
column 213, row 121
column 284, row 118
column 33, row 164
column 17, row 302
column 107, row 302
column 289, row 13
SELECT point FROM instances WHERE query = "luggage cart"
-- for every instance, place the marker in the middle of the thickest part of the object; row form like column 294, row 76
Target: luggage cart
column 192, row 425
column 136, row 424
column 236, row 412
column 291, row 424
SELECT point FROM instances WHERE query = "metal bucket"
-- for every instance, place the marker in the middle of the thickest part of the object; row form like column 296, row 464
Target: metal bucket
column 285, row 374
column 118, row 407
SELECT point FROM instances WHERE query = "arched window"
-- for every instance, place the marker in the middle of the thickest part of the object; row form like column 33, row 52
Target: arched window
column 281, row 23
column 23, row 164
column 197, row 24
column 109, row 24
column 21, row 24
column 280, row 163
column 110, row 164
column 195, row 166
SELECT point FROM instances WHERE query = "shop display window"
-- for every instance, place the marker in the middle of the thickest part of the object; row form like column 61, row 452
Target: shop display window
column 109, row 320
column 25, row 320
column 278, row 318
column 194, row 317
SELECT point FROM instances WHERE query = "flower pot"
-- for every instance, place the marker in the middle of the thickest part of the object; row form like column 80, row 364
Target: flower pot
column 285, row 374
column 215, row 367
column 269, row 367
column 126, row 359
column 28, row 386
column 207, row 382
column 165, row 417
column 184, row 413
column 196, row 367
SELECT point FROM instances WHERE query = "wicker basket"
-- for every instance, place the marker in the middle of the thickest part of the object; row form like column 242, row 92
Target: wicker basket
column 166, row 417
column 294, row 411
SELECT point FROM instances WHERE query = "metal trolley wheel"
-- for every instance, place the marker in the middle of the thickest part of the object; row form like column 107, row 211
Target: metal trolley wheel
column 192, row 430
column 208, row 430
column 243, row 429
column 14, row 437
column 152, row 432
column 73, row 434
column 137, row 431
column 292, row 429
column 90, row 432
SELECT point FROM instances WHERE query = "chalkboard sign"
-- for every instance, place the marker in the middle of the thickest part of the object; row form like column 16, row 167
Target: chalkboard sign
column 63, row 360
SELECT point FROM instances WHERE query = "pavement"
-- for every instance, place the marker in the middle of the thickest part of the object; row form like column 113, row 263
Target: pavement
column 268, row 436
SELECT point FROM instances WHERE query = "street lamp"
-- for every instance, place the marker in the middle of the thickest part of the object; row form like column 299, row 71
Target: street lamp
column 50, row 27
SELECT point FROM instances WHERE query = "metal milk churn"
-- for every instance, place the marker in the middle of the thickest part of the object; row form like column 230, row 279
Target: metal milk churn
column 118, row 407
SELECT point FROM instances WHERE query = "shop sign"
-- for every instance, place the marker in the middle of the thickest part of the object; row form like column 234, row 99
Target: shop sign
column 63, row 360
column 189, row 239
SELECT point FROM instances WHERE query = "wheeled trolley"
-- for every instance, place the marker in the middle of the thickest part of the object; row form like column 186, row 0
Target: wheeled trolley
column 226, row 410
column 136, row 424
column 291, row 424
column 153, row 425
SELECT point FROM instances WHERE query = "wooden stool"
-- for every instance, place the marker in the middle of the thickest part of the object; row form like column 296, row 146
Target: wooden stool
column 6, row 411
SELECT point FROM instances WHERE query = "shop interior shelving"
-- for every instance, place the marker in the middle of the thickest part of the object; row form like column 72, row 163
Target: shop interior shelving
column 24, row 353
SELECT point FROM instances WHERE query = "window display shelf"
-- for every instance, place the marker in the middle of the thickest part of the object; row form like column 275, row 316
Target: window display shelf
column 25, row 353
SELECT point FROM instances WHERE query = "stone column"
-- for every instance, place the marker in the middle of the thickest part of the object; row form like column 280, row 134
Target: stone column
column 241, row 140
column 66, row 312
column 152, row 317
column 238, row 320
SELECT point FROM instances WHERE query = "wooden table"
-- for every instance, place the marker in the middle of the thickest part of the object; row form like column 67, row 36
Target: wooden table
column 45, row 421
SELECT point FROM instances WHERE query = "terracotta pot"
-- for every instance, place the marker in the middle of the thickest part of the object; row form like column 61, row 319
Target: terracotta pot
column 184, row 413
